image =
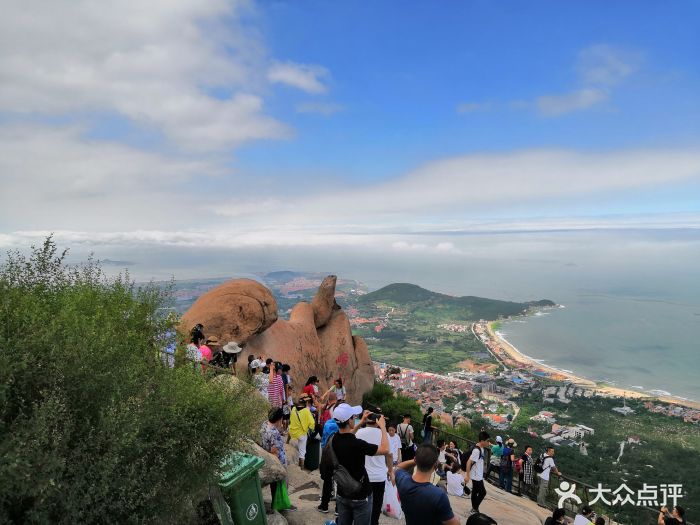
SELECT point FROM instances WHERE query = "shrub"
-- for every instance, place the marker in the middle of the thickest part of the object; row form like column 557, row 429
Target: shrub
column 93, row 426
column 393, row 405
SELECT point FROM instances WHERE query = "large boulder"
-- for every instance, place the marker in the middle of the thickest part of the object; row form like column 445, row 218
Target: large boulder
column 317, row 339
column 233, row 311
column 272, row 470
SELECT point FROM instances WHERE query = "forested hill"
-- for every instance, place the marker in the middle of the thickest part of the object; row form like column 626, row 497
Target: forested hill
column 413, row 297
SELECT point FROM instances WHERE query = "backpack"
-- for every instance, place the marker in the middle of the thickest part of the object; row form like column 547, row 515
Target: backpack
column 505, row 462
column 330, row 468
column 404, row 436
column 481, row 452
column 539, row 462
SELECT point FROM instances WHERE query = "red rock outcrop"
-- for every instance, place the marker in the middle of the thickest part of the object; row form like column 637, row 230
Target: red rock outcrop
column 233, row 311
column 317, row 339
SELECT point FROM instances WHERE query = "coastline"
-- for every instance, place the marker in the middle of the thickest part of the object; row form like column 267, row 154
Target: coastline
column 517, row 358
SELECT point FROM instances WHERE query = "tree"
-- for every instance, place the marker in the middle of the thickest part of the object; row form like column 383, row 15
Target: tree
column 93, row 425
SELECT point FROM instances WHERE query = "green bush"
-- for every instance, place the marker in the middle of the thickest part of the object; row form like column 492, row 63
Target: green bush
column 93, row 426
column 393, row 405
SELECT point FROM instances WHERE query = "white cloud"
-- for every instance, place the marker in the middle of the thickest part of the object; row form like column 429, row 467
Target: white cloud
column 604, row 64
column 555, row 105
column 69, row 181
column 154, row 63
column 472, row 184
column 600, row 68
column 473, row 107
column 306, row 77
column 321, row 108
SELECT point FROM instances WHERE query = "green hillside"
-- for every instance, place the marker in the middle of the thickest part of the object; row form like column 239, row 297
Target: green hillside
column 422, row 301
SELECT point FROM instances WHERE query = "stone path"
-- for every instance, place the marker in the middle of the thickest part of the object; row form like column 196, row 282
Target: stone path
column 305, row 491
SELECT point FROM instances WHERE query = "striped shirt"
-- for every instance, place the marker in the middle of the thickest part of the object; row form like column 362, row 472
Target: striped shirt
column 275, row 392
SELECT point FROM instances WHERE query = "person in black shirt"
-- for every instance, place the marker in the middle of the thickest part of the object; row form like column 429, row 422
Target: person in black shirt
column 351, row 452
column 428, row 426
column 677, row 517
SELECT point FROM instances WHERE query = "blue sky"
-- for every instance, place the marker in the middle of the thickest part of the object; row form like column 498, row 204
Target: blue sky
column 402, row 72
column 346, row 123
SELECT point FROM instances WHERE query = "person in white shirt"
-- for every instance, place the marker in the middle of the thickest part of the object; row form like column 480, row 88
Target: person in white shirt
column 475, row 471
column 379, row 468
column 456, row 481
column 584, row 517
column 548, row 467
column 405, row 433
column 394, row 445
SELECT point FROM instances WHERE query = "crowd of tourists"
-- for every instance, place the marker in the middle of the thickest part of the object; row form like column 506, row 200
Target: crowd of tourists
column 364, row 455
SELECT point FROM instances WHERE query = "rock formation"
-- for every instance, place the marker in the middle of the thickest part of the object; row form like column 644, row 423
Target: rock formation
column 317, row 339
column 233, row 311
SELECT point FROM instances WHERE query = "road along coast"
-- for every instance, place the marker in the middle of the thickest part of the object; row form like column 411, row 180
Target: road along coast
column 511, row 357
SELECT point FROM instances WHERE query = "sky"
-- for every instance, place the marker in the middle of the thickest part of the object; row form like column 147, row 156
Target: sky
column 131, row 128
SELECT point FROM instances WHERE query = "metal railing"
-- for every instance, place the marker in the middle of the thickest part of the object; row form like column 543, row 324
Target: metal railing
column 583, row 490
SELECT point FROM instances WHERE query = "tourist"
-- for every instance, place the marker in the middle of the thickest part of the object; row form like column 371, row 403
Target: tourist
column 527, row 473
column 206, row 351
column 273, row 443
column 251, row 358
column 232, row 349
column 495, row 460
column 676, row 517
column 394, row 445
column 558, row 516
column 339, row 389
column 454, row 451
column 405, row 432
column 350, row 453
column 326, row 412
column 275, row 388
column 379, row 468
column 584, row 516
column 422, row 502
column 506, row 467
column 600, row 520
column 475, row 471
column 428, row 426
column 443, row 458
column 548, row 466
column 220, row 359
column 287, row 380
column 259, row 378
column 311, row 387
column 456, row 481
column 196, row 340
column 300, row 423
column 330, row 427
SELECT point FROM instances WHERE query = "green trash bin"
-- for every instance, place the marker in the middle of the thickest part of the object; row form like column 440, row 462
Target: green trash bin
column 240, row 487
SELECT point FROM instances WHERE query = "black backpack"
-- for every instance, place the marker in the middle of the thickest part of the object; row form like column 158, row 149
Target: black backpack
column 539, row 464
column 330, row 468
column 404, row 436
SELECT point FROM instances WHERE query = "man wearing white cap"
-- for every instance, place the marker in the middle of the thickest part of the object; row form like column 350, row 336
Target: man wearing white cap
column 350, row 453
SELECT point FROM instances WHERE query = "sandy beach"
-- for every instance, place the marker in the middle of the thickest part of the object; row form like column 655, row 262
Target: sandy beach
column 512, row 357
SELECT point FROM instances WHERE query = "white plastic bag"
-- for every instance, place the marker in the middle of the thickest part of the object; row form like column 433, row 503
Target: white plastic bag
column 391, row 506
